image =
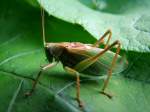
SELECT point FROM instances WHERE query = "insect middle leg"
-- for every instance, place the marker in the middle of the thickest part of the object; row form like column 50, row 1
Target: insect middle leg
column 89, row 61
column 38, row 77
column 101, row 40
column 74, row 72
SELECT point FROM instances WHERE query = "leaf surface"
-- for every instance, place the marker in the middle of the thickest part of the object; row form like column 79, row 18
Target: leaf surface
column 128, row 20
column 22, row 54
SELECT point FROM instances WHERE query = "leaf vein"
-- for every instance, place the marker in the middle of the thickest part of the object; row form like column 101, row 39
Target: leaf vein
column 14, row 97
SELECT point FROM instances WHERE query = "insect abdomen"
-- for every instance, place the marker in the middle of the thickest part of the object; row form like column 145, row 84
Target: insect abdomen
column 99, row 68
column 72, row 59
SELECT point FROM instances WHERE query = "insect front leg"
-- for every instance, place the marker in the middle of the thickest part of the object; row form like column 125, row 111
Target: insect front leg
column 101, row 40
column 74, row 72
column 37, row 78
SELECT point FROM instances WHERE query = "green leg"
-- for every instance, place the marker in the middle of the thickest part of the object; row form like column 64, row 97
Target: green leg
column 37, row 78
column 101, row 40
column 74, row 72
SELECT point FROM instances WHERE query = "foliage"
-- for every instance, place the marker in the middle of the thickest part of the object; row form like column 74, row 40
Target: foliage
column 21, row 55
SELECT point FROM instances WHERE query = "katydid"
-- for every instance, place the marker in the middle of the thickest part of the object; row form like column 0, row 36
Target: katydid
column 78, row 58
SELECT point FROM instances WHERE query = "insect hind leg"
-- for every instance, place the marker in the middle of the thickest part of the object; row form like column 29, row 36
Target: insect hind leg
column 101, row 40
column 89, row 61
column 111, row 68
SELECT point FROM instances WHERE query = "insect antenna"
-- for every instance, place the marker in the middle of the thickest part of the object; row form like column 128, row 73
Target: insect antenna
column 43, row 25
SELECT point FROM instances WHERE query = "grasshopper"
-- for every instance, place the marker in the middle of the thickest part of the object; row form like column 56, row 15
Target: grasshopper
column 78, row 58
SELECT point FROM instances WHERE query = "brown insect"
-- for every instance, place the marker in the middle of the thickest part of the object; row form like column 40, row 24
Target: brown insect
column 78, row 58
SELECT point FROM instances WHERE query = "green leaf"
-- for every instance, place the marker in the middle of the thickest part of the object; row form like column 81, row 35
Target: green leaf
column 20, row 43
column 22, row 54
column 128, row 20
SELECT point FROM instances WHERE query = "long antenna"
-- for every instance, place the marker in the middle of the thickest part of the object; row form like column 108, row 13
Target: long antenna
column 43, row 25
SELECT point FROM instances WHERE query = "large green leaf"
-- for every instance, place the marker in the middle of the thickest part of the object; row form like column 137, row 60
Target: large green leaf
column 128, row 19
column 21, row 55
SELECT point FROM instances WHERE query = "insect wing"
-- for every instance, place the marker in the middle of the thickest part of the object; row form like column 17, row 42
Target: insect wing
column 103, row 64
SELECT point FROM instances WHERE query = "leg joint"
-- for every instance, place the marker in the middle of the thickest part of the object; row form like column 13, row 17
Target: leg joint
column 117, row 42
column 71, row 71
column 109, row 30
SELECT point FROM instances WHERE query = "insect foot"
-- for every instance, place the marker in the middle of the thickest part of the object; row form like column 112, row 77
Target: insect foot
column 80, row 103
column 106, row 94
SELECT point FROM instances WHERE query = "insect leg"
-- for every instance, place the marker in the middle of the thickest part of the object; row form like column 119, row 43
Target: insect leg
column 89, row 61
column 37, row 78
column 111, row 68
column 74, row 72
column 101, row 40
